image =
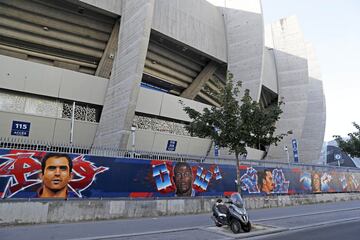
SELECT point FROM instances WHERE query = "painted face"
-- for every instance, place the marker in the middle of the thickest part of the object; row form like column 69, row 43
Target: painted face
column 56, row 174
column 183, row 181
column 268, row 184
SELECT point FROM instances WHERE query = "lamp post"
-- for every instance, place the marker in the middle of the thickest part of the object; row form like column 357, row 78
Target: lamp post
column 216, row 146
column 133, row 128
column 72, row 123
column 287, row 154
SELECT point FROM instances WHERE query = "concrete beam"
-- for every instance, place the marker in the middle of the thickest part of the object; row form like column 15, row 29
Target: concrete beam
column 107, row 59
column 193, row 65
column 68, row 12
column 27, row 53
column 152, row 56
column 168, row 71
column 199, row 81
column 40, row 20
column 51, row 43
column 208, row 99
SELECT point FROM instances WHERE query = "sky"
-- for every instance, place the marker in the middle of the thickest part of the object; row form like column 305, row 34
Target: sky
column 333, row 28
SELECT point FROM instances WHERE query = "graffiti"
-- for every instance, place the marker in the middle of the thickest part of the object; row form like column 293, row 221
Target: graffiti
column 343, row 181
column 217, row 173
column 23, row 169
column 84, row 174
column 355, row 180
column 161, row 174
column 325, row 182
column 202, row 179
column 281, row 184
column 96, row 177
column 20, row 168
column 249, row 181
column 305, row 180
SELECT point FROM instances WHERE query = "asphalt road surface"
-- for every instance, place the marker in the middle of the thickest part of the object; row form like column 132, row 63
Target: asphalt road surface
column 321, row 221
column 344, row 231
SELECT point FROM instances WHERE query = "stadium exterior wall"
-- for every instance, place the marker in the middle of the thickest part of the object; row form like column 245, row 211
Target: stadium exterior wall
column 233, row 36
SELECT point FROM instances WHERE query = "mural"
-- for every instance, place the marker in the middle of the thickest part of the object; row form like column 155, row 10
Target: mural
column 37, row 174
column 265, row 181
column 31, row 174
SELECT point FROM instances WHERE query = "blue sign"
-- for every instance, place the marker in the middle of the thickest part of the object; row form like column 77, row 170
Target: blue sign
column 171, row 145
column 295, row 150
column 20, row 128
column 216, row 151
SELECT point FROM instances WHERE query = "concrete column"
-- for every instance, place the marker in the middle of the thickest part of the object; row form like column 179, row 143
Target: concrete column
column 122, row 92
column 245, row 40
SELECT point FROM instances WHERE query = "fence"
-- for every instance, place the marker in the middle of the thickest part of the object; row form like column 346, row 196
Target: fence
column 34, row 145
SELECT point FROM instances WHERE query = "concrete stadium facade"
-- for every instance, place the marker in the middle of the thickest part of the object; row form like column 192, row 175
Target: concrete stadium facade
column 128, row 63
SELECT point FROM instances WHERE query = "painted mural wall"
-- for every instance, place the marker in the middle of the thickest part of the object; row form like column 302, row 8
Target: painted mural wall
column 22, row 175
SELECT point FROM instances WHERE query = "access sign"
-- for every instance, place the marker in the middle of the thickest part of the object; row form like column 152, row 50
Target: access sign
column 20, row 128
column 171, row 145
column 295, row 150
column 216, row 150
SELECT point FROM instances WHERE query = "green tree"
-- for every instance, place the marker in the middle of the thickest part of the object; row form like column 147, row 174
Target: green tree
column 233, row 126
column 260, row 122
column 351, row 145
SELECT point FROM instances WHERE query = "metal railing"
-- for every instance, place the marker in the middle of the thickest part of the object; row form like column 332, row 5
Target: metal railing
column 34, row 145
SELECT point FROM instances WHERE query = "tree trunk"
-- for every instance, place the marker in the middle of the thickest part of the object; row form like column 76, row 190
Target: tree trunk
column 237, row 172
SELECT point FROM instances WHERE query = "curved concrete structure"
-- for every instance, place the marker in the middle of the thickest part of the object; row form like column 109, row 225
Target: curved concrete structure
column 138, row 58
column 313, row 131
column 293, row 82
column 245, row 43
column 197, row 24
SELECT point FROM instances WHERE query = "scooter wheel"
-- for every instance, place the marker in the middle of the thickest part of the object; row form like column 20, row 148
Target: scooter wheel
column 246, row 227
column 235, row 226
column 218, row 224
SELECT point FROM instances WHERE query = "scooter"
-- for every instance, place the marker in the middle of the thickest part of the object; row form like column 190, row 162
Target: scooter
column 231, row 213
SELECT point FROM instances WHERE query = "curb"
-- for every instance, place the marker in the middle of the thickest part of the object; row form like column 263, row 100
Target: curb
column 257, row 230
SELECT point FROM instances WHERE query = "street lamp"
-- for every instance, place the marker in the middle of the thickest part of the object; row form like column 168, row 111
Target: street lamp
column 287, row 154
column 216, row 146
column 133, row 128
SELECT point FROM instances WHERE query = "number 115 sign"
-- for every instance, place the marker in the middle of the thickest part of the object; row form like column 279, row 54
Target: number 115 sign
column 20, row 128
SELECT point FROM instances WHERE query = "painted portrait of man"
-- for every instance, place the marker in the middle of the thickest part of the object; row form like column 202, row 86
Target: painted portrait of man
column 265, row 181
column 183, row 179
column 55, row 174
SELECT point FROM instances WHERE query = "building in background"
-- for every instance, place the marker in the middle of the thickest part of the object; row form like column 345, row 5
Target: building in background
column 126, row 64
column 331, row 154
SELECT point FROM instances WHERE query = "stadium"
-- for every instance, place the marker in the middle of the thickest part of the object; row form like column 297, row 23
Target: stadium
column 119, row 68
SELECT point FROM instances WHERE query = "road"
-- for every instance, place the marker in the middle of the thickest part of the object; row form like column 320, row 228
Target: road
column 346, row 230
column 320, row 221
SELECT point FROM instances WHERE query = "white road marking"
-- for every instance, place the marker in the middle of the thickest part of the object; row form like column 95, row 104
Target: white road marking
column 306, row 214
column 137, row 234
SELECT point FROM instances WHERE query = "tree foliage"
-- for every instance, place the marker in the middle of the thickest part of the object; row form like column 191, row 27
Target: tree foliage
column 259, row 122
column 351, row 145
column 233, row 125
